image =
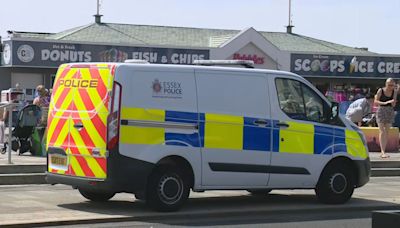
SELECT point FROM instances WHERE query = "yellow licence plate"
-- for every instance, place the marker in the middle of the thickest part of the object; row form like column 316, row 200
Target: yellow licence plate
column 55, row 160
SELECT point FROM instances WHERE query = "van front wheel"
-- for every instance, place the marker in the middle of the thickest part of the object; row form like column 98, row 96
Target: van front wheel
column 167, row 189
column 96, row 195
column 336, row 184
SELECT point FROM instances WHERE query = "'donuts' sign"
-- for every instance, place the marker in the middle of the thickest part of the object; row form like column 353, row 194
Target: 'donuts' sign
column 349, row 66
column 52, row 54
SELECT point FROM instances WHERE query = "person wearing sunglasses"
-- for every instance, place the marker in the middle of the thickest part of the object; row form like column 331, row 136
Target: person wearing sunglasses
column 386, row 99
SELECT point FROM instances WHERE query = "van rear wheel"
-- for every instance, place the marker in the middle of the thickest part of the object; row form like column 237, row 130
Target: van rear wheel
column 167, row 189
column 336, row 184
column 96, row 195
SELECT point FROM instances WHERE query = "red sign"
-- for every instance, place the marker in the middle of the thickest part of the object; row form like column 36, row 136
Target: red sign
column 256, row 59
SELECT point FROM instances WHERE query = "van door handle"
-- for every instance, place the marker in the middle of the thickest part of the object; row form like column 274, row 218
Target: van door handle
column 78, row 126
column 282, row 124
column 261, row 122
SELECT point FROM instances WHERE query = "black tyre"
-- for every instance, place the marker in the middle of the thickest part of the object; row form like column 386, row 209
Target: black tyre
column 96, row 196
column 167, row 189
column 336, row 184
column 259, row 192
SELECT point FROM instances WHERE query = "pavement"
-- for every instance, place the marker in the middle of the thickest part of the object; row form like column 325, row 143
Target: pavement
column 45, row 205
column 38, row 205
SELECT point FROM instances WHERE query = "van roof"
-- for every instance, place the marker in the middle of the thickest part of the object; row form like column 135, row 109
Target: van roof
column 181, row 66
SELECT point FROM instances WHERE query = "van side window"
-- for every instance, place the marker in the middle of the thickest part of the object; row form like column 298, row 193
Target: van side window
column 298, row 101
column 291, row 98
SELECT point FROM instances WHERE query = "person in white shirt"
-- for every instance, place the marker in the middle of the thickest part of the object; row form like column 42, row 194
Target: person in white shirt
column 360, row 108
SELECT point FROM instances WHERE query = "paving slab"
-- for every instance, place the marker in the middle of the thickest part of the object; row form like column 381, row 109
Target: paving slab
column 60, row 205
column 24, row 159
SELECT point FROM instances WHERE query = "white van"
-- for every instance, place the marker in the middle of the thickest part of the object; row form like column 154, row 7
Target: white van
column 160, row 130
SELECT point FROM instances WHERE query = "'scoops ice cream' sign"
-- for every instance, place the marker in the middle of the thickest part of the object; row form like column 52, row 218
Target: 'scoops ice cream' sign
column 346, row 66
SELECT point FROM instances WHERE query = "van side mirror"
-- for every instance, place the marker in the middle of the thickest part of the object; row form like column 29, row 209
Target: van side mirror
column 334, row 112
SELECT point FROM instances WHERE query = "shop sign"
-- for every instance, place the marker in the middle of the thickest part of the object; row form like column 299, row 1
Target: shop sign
column 347, row 66
column 254, row 57
column 52, row 54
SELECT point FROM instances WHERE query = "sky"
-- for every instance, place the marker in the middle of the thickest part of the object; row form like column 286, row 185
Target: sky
column 356, row 23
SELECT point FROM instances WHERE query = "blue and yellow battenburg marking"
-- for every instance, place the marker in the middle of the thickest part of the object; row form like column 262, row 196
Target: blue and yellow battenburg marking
column 219, row 131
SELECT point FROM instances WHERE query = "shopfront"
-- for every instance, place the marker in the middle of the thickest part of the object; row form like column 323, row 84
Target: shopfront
column 338, row 71
column 343, row 78
column 30, row 63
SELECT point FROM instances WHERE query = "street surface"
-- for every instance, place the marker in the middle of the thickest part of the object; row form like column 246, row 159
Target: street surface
column 288, row 220
column 48, row 205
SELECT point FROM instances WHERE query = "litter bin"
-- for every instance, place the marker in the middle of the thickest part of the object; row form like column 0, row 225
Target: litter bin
column 386, row 219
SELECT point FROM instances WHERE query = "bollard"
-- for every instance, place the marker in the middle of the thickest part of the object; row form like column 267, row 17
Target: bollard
column 9, row 133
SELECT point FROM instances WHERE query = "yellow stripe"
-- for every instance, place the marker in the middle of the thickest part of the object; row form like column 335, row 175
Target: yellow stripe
column 297, row 138
column 88, row 124
column 62, row 134
column 92, row 163
column 97, row 101
column 64, row 105
column 61, row 88
column 143, row 114
column 107, row 78
column 61, row 171
column 76, row 166
column 142, row 135
column 354, row 145
column 223, row 131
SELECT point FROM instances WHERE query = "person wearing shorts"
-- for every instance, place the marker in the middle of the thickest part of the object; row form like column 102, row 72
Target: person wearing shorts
column 386, row 99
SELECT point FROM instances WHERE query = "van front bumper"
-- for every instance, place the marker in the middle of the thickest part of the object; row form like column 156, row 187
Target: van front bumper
column 364, row 172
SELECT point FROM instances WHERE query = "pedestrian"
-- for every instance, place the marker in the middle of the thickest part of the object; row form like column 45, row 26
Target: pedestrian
column 386, row 99
column 43, row 101
column 360, row 108
column 397, row 109
column 2, row 129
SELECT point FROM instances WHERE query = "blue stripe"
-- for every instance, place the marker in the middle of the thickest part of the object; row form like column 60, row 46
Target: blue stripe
column 323, row 130
column 340, row 141
column 178, row 139
column 182, row 139
column 339, row 132
column 182, row 117
column 340, row 145
column 323, row 144
column 275, row 140
column 323, row 140
column 255, row 137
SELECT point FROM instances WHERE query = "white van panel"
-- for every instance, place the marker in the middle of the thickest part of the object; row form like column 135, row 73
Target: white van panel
column 313, row 163
column 177, row 92
column 235, row 96
column 233, row 93
column 154, row 153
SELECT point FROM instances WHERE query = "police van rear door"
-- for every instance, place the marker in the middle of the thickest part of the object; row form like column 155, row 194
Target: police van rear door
column 77, row 125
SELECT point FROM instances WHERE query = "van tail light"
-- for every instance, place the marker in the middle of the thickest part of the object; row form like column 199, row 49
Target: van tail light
column 113, row 121
column 113, row 129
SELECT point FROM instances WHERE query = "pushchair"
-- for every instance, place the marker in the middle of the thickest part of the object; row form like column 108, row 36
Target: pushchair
column 24, row 126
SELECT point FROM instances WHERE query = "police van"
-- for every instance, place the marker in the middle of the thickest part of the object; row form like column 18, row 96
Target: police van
column 159, row 131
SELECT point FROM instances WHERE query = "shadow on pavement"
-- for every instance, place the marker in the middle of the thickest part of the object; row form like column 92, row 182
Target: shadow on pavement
column 244, row 209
